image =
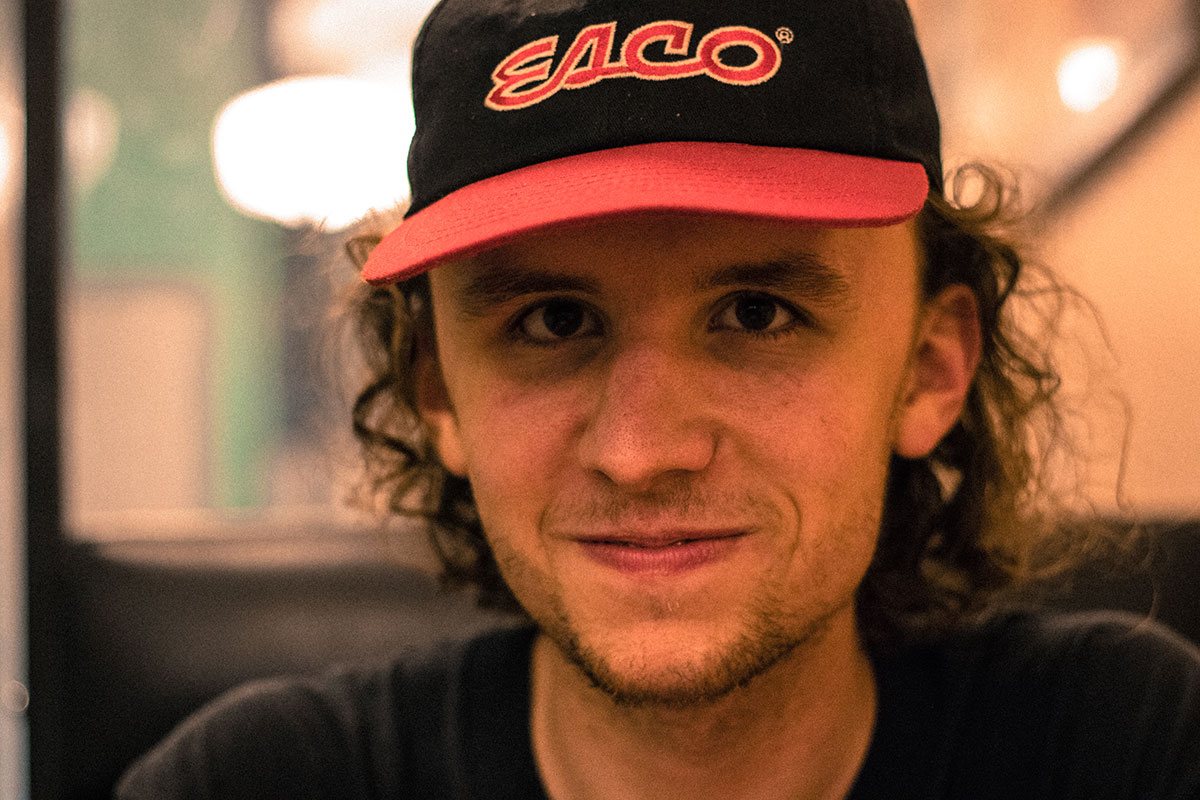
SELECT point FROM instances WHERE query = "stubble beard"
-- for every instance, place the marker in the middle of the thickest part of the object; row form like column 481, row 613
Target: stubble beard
column 767, row 635
column 766, row 640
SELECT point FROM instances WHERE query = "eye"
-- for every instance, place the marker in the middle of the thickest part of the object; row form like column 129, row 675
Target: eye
column 756, row 313
column 556, row 320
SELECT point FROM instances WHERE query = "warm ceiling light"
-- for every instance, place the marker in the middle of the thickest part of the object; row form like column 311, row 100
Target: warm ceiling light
column 343, row 37
column 8, row 158
column 11, row 126
column 316, row 150
column 93, row 131
column 1089, row 75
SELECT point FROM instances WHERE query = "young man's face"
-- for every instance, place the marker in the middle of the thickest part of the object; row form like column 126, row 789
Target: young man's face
column 677, row 430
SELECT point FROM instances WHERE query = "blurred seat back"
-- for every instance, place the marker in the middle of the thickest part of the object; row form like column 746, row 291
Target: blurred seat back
column 152, row 629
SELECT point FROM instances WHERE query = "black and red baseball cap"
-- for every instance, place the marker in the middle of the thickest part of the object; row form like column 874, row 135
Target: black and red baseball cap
column 535, row 114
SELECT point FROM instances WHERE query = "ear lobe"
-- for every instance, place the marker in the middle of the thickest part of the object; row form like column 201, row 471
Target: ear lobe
column 436, row 411
column 945, row 355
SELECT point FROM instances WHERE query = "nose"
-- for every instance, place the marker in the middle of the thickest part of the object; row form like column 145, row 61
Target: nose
column 650, row 420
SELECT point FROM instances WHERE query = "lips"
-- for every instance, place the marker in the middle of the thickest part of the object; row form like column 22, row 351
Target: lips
column 660, row 553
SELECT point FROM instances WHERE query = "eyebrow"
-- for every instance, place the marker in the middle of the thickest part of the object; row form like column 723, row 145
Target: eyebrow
column 799, row 274
column 498, row 281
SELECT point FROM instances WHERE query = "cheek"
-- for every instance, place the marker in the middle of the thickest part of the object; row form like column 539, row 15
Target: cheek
column 817, row 421
column 835, row 470
column 516, row 442
column 823, row 440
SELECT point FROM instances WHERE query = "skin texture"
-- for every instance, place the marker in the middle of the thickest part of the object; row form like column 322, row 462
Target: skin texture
column 677, row 431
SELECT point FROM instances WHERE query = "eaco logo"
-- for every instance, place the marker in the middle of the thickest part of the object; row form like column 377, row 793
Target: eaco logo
column 525, row 78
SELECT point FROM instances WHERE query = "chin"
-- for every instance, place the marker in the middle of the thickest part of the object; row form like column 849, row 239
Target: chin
column 677, row 666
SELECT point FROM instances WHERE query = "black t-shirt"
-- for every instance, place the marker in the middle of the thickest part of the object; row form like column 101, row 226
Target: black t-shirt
column 1024, row 706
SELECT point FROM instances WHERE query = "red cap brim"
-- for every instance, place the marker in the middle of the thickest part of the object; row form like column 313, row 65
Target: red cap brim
column 806, row 186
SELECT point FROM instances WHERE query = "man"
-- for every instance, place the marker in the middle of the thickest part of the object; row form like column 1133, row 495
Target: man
column 684, row 350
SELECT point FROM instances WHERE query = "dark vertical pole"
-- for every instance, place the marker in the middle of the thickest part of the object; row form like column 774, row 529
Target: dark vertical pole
column 43, row 504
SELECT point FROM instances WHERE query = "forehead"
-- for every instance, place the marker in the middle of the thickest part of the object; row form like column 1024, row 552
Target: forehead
column 678, row 254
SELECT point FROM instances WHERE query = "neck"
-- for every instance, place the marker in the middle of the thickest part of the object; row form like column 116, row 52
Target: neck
column 801, row 729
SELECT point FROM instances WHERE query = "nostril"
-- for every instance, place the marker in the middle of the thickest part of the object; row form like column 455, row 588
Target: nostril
column 636, row 451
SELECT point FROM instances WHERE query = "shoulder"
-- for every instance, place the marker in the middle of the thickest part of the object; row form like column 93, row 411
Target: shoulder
column 1100, row 660
column 1100, row 631
column 1036, row 704
column 348, row 733
column 284, row 737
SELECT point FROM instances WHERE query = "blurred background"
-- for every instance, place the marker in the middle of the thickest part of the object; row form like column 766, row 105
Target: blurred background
column 215, row 151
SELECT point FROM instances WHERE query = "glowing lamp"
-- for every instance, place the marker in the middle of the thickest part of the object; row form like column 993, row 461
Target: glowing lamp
column 315, row 150
column 1088, row 76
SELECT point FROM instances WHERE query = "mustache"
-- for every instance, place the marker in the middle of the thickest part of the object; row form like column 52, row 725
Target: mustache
column 669, row 504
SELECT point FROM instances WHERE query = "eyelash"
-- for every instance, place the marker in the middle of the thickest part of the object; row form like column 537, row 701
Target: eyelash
column 800, row 319
column 515, row 330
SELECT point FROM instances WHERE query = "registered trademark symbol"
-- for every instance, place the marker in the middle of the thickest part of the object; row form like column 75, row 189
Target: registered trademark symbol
column 785, row 35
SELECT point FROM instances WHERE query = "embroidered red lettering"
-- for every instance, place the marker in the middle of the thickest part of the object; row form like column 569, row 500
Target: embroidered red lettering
column 598, row 41
column 676, row 38
column 525, row 78
column 764, row 67
column 521, row 68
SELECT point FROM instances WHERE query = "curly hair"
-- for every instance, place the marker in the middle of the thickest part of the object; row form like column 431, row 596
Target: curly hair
column 959, row 526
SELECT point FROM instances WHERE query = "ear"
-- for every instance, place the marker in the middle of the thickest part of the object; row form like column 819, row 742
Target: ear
column 945, row 354
column 436, row 411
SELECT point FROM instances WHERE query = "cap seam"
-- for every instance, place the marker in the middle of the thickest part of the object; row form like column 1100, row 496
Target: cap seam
column 871, row 70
